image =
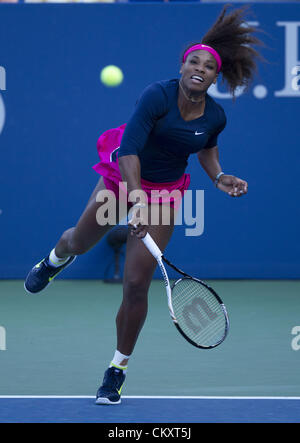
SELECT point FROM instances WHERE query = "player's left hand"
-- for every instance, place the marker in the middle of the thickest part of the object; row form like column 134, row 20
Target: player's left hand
column 233, row 186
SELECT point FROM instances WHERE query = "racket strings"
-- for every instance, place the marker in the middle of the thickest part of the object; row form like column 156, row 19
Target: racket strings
column 198, row 313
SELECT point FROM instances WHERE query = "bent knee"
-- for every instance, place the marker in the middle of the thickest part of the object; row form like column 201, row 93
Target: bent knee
column 135, row 289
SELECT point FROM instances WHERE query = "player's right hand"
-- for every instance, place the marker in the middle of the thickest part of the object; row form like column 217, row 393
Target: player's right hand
column 139, row 220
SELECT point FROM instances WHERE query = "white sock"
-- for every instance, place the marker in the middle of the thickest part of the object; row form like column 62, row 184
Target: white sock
column 56, row 261
column 118, row 359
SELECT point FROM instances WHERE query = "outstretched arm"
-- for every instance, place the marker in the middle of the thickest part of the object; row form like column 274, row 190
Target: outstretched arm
column 209, row 160
column 130, row 169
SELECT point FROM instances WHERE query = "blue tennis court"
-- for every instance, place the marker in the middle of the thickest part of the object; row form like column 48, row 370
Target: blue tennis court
column 150, row 410
column 58, row 346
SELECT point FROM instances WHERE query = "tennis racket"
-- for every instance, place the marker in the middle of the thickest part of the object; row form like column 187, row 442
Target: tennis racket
column 195, row 308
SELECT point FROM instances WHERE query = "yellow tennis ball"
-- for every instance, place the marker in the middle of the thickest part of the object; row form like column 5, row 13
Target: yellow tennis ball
column 111, row 76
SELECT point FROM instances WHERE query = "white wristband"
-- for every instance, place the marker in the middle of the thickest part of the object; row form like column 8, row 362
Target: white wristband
column 218, row 178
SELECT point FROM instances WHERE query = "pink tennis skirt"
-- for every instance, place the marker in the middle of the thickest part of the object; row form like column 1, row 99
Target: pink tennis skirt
column 107, row 146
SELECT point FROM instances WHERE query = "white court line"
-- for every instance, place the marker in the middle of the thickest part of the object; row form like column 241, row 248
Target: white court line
column 167, row 397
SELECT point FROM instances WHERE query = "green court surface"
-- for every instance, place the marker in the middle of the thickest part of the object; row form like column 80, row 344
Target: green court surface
column 61, row 341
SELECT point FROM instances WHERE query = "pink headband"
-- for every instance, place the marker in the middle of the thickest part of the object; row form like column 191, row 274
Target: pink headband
column 204, row 48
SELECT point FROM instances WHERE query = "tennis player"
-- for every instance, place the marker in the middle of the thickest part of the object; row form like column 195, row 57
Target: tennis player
column 172, row 120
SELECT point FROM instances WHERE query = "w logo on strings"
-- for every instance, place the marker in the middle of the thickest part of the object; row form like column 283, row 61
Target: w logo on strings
column 198, row 315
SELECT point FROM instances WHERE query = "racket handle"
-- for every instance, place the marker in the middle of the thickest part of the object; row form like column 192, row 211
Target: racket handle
column 152, row 246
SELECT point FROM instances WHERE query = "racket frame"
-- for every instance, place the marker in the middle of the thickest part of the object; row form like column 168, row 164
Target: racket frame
column 160, row 258
column 223, row 307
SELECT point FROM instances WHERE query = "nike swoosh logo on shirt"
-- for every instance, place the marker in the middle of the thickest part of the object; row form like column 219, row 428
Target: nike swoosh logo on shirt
column 199, row 133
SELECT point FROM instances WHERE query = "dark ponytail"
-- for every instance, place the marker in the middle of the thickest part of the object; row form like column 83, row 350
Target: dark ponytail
column 233, row 39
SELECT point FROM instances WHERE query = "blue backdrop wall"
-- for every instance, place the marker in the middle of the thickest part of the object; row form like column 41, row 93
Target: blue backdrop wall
column 53, row 108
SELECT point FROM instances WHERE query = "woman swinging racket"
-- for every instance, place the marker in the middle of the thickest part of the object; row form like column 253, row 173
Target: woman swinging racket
column 172, row 119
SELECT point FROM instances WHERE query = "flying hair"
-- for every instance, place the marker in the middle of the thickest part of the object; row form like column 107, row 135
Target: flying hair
column 234, row 40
